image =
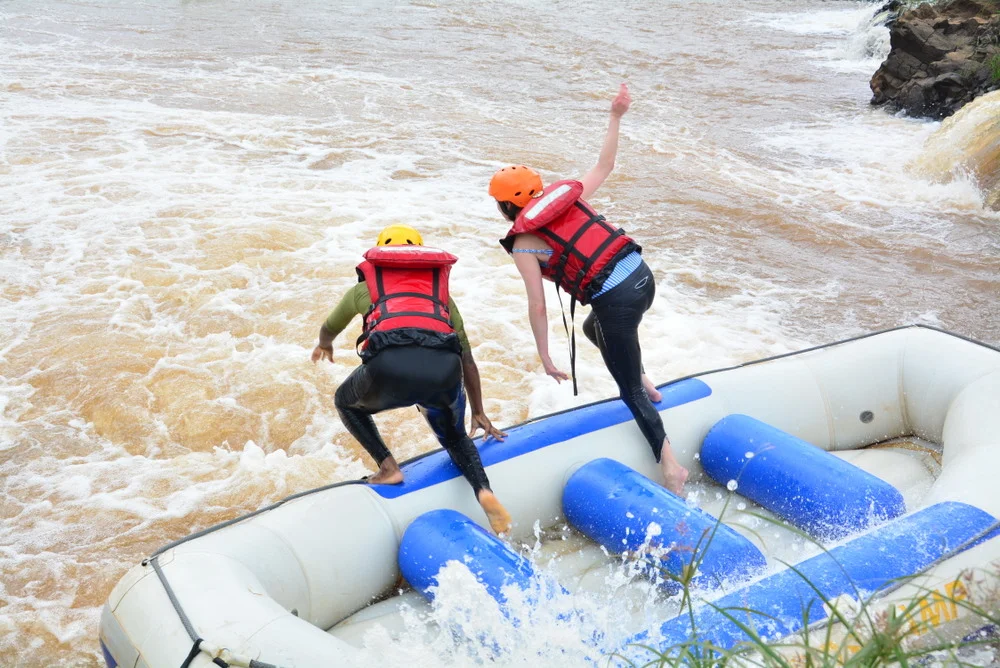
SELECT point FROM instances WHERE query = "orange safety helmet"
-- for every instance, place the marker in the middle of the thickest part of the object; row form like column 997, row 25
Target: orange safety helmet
column 516, row 184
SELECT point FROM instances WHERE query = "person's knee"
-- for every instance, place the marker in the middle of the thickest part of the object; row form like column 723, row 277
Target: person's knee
column 452, row 434
column 340, row 398
column 636, row 396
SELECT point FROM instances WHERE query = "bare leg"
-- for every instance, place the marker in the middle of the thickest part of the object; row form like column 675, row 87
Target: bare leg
column 498, row 516
column 674, row 475
column 389, row 473
column 654, row 394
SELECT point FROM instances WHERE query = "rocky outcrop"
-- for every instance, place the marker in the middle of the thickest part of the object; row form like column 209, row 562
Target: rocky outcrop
column 888, row 13
column 942, row 56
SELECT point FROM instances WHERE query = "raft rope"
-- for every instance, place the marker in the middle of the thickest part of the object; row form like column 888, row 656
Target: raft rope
column 221, row 656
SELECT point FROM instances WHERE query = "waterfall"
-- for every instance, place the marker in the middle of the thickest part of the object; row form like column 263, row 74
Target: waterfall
column 967, row 145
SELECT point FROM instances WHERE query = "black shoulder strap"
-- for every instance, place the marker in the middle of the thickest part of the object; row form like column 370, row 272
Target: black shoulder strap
column 570, row 336
column 558, row 264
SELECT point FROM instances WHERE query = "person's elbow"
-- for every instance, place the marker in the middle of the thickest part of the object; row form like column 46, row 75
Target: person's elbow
column 537, row 310
column 603, row 170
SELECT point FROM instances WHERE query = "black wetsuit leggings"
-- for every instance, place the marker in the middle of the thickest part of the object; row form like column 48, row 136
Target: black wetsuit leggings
column 613, row 326
column 428, row 378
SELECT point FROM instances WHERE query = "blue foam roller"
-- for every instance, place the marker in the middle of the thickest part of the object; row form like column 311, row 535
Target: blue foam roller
column 615, row 506
column 778, row 605
column 816, row 491
column 440, row 536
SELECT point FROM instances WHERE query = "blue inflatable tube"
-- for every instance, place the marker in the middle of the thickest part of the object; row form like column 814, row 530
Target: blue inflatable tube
column 615, row 506
column 816, row 491
column 440, row 536
column 778, row 605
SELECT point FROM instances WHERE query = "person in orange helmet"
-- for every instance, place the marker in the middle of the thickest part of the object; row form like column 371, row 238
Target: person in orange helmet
column 556, row 235
column 415, row 352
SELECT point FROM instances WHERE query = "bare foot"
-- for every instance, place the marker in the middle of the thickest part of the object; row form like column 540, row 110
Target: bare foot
column 498, row 516
column 388, row 473
column 674, row 475
column 654, row 394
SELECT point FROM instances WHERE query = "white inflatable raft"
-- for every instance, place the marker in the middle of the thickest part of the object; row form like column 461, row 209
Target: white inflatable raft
column 891, row 440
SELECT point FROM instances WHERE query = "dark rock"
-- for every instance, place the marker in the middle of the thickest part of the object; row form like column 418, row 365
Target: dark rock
column 889, row 12
column 939, row 58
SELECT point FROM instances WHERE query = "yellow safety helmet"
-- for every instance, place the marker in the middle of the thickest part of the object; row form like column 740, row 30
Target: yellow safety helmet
column 399, row 235
column 517, row 184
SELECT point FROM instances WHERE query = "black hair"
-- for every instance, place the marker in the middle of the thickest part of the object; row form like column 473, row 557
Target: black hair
column 509, row 210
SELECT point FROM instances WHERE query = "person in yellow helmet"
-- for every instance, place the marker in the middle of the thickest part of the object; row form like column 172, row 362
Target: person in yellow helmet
column 556, row 235
column 415, row 352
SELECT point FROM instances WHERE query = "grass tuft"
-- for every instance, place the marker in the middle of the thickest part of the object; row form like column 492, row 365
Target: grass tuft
column 994, row 64
column 856, row 633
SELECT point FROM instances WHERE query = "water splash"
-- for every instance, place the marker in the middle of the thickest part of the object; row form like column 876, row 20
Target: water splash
column 967, row 145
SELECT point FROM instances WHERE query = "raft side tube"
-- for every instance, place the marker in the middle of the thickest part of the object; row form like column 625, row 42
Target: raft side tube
column 934, row 370
column 266, row 587
column 115, row 645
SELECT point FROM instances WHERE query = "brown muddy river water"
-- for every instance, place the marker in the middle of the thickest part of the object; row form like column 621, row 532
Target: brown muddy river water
column 185, row 188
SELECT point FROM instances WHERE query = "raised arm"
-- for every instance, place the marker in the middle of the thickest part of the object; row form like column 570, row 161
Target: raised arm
column 609, row 150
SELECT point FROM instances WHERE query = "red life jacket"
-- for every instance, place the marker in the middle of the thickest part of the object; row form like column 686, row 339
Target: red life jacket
column 408, row 286
column 583, row 243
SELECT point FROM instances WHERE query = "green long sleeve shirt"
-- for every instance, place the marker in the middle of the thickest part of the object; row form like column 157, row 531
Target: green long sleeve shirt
column 357, row 301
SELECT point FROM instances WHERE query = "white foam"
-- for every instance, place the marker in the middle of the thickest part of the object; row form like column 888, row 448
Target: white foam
column 842, row 21
column 184, row 194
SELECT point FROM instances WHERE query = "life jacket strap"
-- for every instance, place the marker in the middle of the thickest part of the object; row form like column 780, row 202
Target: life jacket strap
column 368, row 330
column 614, row 234
column 569, row 335
column 384, row 298
column 575, row 282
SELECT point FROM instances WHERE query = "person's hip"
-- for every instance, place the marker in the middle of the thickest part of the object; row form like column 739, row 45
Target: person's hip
column 637, row 288
column 417, row 369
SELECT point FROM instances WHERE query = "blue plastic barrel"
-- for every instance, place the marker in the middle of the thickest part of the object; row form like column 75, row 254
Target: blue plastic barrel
column 618, row 507
column 816, row 491
column 782, row 603
column 440, row 536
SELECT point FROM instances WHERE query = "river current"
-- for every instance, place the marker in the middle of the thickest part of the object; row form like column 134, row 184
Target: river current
column 186, row 187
